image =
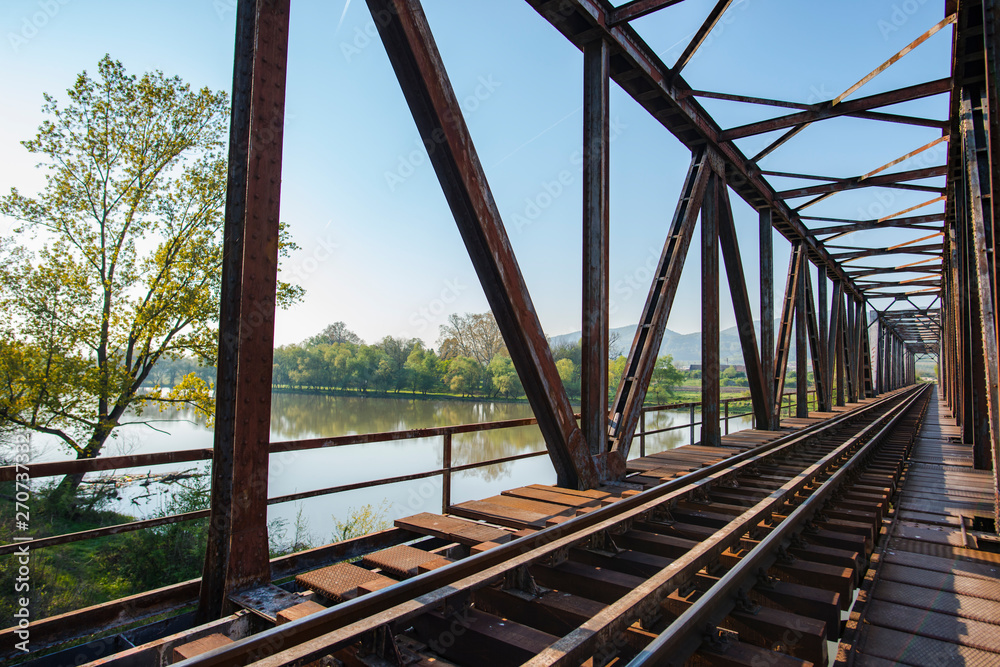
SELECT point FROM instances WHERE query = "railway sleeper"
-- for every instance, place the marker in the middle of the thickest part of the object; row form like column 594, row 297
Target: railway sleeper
column 799, row 636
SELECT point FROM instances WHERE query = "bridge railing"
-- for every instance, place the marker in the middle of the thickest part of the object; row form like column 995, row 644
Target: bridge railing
column 743, row 408
column 446, row 471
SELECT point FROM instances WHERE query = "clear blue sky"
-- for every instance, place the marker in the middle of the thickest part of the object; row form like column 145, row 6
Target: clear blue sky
column 380, row 249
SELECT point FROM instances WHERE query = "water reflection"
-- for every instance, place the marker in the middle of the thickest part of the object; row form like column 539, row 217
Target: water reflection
column 301, row 416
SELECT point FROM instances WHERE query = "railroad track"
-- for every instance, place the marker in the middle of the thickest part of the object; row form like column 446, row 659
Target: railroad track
column 751, row 560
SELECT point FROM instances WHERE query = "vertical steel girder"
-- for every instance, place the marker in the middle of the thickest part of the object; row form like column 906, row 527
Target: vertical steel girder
column 756, row 378
column 237, row 556
column 596, row 215
column 801, row 345
column 766, row 233
column 833, row 349
column 823, row 308
column 816, row 348
column 851, row 351
column 438, row 115
column 979, row 229
column 867, row 385
column 634, row 383
column 784, row 343
column 841, row 345
column 710, row 431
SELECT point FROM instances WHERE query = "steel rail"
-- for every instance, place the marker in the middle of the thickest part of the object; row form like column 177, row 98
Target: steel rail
column 682, row 637
column 615, row 618
column 316, row 635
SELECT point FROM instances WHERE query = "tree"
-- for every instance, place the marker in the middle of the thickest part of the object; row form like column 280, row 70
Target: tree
column 474, row 335
column 505, row 378
column 463, row 376
column 397, row 351
column 666, row 377
column 421, row 366
column 335, row 333
column 129, row 224
column 568, row 374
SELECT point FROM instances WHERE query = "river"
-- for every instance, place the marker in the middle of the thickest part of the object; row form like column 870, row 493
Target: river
column 304, row 416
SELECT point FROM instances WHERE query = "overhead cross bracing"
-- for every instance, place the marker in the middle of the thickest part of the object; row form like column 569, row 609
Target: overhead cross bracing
column 846, row 315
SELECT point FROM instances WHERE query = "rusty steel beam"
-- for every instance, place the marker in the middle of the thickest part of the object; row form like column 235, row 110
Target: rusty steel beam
column 79, row 466
column 823, row 310
column 640, row 72
column 816, row 348
column 438, row 115
column 237, row 554
column 801, row 345
column 766, row 235
column 212, row 594
column 757, row 380
column 871, row 115
column 632, row 388
column 891, row 163
column 850, row 350
column 832, row 346
column 912, row 222
column 891, row 185
column 637, row 9
column 979, row 231
column 875, row 270
column 991, row 129
column 701, row 35
column 846, row 356
column 870, row 286
column 884, row 180
column 862, row 330
column 784, row 342
column 596, row 216
column 907, row 94
column 931, row 249
column 711, row 433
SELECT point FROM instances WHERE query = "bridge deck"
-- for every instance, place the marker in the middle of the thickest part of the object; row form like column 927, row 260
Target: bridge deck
column 932, row 595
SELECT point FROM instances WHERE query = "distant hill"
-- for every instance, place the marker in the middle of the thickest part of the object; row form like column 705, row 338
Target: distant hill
column 684, row 348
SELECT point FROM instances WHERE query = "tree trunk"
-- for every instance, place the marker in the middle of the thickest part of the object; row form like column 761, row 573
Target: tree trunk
column 70, row 484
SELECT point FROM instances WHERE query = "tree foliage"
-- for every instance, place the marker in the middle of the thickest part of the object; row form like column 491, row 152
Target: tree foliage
column 474, row 335
column 124, row 266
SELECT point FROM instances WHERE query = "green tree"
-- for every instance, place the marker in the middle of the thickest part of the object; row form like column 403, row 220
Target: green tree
column 464, row 376
column 616, row 369
column 568, row 374
column 422, row 369
column 397, row 351
column 129, row 230
column 505, row 378
column 666, row 377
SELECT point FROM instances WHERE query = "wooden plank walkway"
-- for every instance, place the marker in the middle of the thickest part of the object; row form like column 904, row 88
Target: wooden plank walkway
column 932, row 594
